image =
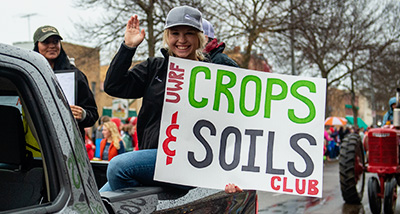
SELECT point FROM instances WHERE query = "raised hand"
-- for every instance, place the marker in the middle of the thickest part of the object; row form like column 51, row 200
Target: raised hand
column 133, row 34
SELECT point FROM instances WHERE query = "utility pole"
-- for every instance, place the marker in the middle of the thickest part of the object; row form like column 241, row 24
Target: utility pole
column 292, row 38
column 28, row 16
column 373, row 100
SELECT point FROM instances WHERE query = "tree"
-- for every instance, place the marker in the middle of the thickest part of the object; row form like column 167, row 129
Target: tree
column 370, row 48
column 247, row 22
column 336, row 39
column 380, row 79
column 108, row 31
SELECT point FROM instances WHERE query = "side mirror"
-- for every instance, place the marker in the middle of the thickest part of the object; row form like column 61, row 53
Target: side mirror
column 397, row 98
column 396, row 111
column 396, row 117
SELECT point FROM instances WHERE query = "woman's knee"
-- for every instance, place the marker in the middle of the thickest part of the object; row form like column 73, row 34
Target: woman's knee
column 115, row 165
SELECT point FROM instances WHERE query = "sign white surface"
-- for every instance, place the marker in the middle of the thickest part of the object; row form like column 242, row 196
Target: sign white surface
column 258, row 130
column 67, row 83
column 120, row 108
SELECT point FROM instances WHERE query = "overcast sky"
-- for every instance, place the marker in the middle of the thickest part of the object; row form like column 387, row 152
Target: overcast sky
column 58, row 13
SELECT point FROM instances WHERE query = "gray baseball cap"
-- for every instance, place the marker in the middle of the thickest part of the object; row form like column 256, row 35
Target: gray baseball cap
column 184, row 15
column 208, row 29
column 44, row 32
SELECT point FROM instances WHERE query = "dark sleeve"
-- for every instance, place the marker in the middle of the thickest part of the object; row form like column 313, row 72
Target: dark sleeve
column 224, row 59
column 85, row 99
column 122, row 82
column 121, row 148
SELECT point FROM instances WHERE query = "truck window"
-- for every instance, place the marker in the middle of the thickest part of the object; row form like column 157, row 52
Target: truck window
column 25, row 179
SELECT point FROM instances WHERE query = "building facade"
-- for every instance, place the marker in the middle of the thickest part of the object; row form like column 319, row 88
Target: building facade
column 339, row 104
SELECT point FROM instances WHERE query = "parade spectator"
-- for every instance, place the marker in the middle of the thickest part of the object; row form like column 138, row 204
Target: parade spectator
column 182, row 38
column 388, row 117
column 90, row 147
column 99, row 129
column 341, row 134
column 213, row 49
column 332, row 129
column 334, row 134
column 117, row 122
column 334, row 143
column 129, row 119
column 361, row 132
column 112, row 144
column 47, row 41
column 133, row 121
column 347, row 131
column 127, row 130
column 327, row 140
column 98, row 134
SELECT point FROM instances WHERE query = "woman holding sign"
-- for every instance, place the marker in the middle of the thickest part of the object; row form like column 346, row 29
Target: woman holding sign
column 183, row 37
column 47, row 41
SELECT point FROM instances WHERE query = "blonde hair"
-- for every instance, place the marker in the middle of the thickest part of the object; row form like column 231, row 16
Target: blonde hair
column 115, row 135
column 199, row 52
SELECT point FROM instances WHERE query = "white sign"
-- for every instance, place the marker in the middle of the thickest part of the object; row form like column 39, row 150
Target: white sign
column 120, row 108
column 258, row 130
column 66, row 78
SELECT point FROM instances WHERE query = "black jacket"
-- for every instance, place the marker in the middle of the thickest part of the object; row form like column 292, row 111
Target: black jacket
column 146, row 80
column 85, row 99
column 215, row 53
column 84, row 96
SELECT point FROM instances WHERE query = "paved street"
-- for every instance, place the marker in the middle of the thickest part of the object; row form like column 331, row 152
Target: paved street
column 331, row 201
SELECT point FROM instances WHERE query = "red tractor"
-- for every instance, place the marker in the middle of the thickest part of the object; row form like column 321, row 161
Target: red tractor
column 382, row 157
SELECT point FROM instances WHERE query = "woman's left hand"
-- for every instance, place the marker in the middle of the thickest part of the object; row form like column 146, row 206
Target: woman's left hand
column 232, row 188
column 77, row 111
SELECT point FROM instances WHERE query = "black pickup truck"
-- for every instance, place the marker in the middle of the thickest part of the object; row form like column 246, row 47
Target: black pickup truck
column 34, row 110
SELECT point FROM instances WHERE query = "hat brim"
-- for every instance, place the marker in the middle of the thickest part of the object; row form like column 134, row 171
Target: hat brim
column 183, row 24
column 47, row 35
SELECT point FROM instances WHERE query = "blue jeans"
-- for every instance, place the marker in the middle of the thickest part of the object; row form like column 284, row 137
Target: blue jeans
column 133, row 169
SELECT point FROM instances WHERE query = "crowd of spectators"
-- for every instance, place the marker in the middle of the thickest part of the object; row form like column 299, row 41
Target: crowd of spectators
column 334, row 136
column 125, row 134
